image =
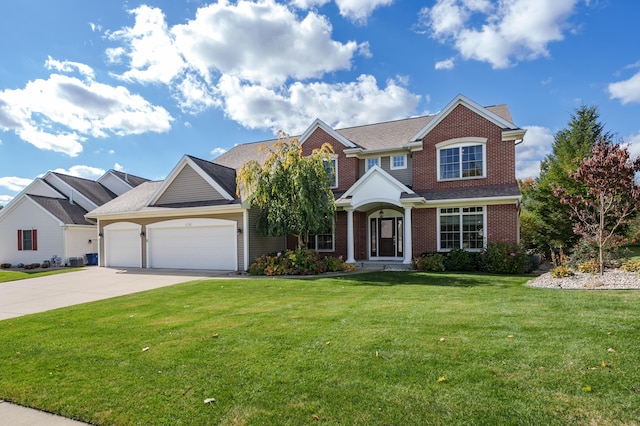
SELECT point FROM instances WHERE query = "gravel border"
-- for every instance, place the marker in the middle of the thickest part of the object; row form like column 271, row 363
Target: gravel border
column 613, row 279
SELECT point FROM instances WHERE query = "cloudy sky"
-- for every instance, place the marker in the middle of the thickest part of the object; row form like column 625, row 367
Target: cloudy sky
column 92, row 85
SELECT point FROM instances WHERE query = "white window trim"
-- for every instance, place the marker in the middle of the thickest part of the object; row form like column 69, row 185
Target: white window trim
column 392, row 167
column 366, row 163
column 333, row 241
column 334, row 159
column 461, row 143
column 484, row 227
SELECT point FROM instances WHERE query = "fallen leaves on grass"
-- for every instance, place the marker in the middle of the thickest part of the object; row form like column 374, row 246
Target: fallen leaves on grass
column 145, row 349
column 586, row 388
column 209, row 400
column 442, row 379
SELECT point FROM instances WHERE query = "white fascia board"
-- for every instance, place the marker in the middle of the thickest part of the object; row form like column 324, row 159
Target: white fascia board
column 75, row 193
column 377, row 170
column 516, row 134
column 14, row 201
column 45, row 211
column 155, row 212
column 317, row 123
column 473, row 106
column 184, row 161
column 456, row 202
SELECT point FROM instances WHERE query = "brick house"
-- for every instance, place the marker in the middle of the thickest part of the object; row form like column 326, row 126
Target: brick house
column 430, row 183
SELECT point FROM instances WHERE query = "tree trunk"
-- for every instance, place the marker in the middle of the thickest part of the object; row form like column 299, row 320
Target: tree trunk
column 600, row 236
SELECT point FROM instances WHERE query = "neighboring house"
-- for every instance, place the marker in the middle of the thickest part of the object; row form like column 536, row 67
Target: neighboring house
column 47, row 219
column 431, row 183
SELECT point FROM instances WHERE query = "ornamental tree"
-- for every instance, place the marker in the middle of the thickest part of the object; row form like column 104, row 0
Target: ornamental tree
column 611, row 198
column 291, row 191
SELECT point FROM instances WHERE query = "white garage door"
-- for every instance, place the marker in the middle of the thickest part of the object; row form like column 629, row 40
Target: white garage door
column 122, row 245
column 193, row 244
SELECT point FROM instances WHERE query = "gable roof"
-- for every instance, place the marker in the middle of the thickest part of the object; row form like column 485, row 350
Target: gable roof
column 219, row 177
column 94, row 191
column 128, row 178
column 372, row 137
column 62, row 209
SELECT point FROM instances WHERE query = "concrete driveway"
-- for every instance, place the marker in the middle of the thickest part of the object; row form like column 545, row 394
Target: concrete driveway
column 41, row 294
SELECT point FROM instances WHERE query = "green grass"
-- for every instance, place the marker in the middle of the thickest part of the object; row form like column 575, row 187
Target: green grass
column 6, row 276
column 355, row 350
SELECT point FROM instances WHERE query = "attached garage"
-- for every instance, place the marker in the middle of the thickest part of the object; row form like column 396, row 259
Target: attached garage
column 193, row 244
column 123, row 247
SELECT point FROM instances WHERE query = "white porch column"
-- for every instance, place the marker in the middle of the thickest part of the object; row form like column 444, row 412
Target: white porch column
column 408, row 245
column 350, row 257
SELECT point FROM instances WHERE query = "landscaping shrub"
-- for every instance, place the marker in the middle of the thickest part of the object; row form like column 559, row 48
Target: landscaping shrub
column 429, row 262
column 297, row 262
column 589, row 267
column 587, row 250
column 561, row 272
column 504, row 258
column 462, row 260
column 5, row 265
column 631, row 266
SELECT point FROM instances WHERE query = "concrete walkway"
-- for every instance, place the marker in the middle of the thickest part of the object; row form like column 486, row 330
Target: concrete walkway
column 41, row 294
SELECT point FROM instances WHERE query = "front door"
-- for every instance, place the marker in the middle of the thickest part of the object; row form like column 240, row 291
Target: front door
column 386, row 236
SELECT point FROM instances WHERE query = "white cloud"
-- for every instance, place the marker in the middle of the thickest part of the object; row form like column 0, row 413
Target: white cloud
column 259, row 62
column 355, row 10
column 218, row 151
column 86, row 172
column 13, row 183
column 339, row 105
column 633, row 143
column 4, row 199
column 626, row 91
column 447, row 64
column 61, row 112
column 68, row 67
column 118, row 167
column 500, row 34
column 535, row 147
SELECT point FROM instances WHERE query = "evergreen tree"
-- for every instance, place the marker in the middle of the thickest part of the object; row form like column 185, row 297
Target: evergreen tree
column 571, row 145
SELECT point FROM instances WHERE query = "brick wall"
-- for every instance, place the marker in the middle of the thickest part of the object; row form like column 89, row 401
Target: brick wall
column 462, row 122
column 502, row 223
column 424, row 232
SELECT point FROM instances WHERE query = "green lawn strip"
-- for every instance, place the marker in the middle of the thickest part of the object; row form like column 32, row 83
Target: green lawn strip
column 6, row 276
column 378, row 348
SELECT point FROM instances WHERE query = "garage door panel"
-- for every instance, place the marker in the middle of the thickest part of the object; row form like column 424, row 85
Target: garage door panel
column 123, row 248
column 193, row 247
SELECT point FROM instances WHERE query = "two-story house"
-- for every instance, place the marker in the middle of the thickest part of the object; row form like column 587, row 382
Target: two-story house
column 430, row 183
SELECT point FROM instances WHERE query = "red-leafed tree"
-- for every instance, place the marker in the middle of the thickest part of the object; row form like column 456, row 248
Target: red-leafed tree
column 612, row 196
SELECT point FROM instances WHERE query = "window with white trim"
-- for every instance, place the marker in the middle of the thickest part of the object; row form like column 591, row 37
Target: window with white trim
column 370, row 162
column 461, row 162
column 398, row 162
column 27, row 240
column 331, row 166
column 461, row 227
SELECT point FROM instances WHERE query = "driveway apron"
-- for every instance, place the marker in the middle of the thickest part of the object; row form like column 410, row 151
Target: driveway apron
column 41, row 294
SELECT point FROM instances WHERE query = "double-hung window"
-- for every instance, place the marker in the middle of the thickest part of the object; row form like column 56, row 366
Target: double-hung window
column 322, row 242
column 461, row 227
column 398, row 161
column 331, row 166
column 461, row 160
column 27, row 240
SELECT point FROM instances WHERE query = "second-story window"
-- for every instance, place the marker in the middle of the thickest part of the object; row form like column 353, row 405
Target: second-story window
column 373, row 162
column 461, row 162
column 332, row 172
column 398, row 162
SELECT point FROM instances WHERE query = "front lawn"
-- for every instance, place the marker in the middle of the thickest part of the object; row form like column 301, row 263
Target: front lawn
column 379, row 348
column 14, row 275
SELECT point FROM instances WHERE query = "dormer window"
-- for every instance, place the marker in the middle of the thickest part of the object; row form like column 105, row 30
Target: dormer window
column 462, row 159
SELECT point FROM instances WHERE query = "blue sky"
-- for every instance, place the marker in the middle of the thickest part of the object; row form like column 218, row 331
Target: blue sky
column 92, row 85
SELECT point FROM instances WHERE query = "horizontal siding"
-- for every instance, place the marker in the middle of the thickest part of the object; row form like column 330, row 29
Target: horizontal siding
column 189, row 186
column 260, row 245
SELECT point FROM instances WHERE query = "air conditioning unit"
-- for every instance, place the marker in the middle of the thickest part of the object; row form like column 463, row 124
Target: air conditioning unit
column 75, row 262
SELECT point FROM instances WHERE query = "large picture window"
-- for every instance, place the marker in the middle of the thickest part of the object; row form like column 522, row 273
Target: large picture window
column 460, row 162
column 461, row 227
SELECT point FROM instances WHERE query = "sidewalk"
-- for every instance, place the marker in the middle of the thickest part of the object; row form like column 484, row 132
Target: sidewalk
column 15, row 415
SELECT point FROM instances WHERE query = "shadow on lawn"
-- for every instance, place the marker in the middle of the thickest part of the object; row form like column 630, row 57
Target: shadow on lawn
column 389, row 278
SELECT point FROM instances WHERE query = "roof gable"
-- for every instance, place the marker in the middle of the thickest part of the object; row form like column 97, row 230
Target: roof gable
column 468, row 103
column 376, row 186
column 319, row 124
column 62, row 210
column 195, row 180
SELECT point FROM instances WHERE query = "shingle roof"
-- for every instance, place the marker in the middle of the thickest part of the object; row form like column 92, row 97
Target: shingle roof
column 389, row 134
column 62, row 209
column 225, row 176
column 131, row 201
column 479, row 192
column 94, row 191
column 132, row 180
